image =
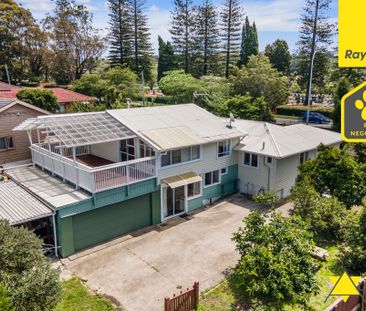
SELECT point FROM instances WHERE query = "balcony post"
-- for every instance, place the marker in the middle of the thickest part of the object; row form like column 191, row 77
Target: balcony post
column 40, row 148
column 75, row 165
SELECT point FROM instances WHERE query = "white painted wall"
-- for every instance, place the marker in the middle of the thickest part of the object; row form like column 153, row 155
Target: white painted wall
column 252, row 179
column 109, row 151
column 208, row 162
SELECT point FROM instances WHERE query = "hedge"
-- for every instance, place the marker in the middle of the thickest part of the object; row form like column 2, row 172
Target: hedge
column 164, row 100
column 299, row 110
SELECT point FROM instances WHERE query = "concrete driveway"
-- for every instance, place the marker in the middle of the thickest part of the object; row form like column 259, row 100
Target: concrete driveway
column 137, row 271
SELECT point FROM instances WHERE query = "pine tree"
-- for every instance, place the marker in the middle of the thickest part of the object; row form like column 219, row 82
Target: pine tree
column 120, row 36
column 182, row 31
column 206, row 38
column 142, row 50
column 249, row 42
column 279, row 55
column 315, row 34
column 166, row 59
column 231, row 15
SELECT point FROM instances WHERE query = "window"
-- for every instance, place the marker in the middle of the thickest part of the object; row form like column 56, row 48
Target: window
column 180, row 156
column 145, row 150
column 224, row 171
column 194, row 189
column 127, row 150
column 6, row 143
column 250, row 159
column 304, row 157
column 269, row 160
column 223, row 148
column 212, row 178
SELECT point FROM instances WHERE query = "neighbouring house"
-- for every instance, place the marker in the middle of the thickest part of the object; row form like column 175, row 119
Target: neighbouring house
column 270, row 154
column 65, row 98
column 108, row 173
column 14, row 146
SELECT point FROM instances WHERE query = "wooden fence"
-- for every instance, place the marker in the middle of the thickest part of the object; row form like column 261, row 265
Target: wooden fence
column 353, row 302
column 185, row 301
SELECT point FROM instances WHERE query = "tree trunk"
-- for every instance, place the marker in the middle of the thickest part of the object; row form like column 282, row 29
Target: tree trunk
column 228, row 42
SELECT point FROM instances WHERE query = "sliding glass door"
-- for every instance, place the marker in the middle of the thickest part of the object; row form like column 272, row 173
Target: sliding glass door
column 175, row 201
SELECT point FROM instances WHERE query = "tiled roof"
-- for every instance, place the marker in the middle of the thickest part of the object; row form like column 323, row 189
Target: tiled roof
column 9, row 94
column 7, row 87
column 67, row 96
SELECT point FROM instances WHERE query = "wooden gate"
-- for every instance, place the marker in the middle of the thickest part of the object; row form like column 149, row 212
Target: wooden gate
column 185, row 301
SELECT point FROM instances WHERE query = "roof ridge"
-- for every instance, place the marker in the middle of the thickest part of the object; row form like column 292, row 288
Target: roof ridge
column 272, row 139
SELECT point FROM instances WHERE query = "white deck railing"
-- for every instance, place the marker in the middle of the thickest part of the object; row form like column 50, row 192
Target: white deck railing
column 93, row 179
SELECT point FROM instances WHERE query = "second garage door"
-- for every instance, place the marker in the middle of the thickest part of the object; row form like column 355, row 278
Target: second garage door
column 111, row 221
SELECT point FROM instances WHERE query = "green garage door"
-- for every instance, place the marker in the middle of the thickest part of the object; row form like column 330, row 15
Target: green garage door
column 111, row 221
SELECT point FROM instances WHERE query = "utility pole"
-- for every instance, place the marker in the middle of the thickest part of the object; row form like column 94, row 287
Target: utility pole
column 7, row 73
column 310, row 85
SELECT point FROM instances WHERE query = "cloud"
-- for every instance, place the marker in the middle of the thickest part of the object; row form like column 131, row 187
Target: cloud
column 159, row 23
column 277, row 15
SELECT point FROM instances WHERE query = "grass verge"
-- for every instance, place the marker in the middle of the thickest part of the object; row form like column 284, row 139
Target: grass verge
column 76, row 297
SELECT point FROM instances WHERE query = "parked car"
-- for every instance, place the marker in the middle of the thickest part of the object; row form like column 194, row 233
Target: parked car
column 315, row 117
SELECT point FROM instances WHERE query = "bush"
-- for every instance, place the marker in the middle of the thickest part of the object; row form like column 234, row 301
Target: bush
column 43, row 99
column 275, row 265
column 298, row 111
column 268, row 198
column 5, row 302
column 25, row 272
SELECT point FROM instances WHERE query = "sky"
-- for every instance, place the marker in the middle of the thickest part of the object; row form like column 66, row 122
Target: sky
column 275, row 19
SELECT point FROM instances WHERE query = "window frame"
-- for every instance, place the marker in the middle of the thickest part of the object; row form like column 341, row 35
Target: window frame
column 227, row 142
column 171, row 164
column 10, row 143
column 269, row 161
column 212, row 176
column 250, row 165
column 225, row 172
column 196, row 195
column 304, row 157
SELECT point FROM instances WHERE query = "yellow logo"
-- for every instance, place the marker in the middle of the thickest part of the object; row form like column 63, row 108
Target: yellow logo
column 351, row 48
column 344, row 286
column 353, row 115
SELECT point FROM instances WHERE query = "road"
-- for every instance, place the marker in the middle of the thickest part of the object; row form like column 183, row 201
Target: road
column 289, row 121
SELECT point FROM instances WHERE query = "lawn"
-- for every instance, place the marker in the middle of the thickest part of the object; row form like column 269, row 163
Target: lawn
column 76, row 297
column 221, row 297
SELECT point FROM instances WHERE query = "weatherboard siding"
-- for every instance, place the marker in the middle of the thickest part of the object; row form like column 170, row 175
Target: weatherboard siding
column 208, row 162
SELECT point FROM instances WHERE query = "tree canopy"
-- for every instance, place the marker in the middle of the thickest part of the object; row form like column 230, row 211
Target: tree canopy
column 249, row 42
column 279, row 56
column 25, row 272
column 43, row 99
column 275, row 265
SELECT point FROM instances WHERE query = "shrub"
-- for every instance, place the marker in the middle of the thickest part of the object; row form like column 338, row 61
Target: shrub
column 43, row 99
column 298, row 111
column 268, row 198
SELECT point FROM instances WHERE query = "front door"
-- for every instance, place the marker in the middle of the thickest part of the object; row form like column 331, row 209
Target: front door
column 175, row 201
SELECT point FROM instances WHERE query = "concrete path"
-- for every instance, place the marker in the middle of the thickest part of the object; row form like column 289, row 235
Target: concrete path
column 138, row 272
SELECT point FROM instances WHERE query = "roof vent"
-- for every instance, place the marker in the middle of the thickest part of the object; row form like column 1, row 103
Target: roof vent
column 232, row 119
column 263, row 145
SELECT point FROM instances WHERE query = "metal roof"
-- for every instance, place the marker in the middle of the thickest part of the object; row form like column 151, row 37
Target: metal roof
column 79, row 129
column 50, row 189
column 18, row 206
column 202, row 126
column 181, row 180
column 282, row 141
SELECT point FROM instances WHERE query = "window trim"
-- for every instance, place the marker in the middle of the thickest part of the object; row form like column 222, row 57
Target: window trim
column 217, row 149
column 181, row 163
column 197, row 195
column 226, row 170
column 250, row 160
column 213, row 184
column 305, row 155
column 8, row 148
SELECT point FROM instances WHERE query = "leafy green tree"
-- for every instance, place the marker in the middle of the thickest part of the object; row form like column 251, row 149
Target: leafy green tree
column 76, row 43
column 166, row 58
column 360, row 152
column 268, row 198
column 315, row 33
column 249, row 42
column 279, row 56
column 247, row 107
column 25, row 272
column 5, row 301
column 275, row 265
column 180, row 85
column 92, row 85
column 259, row 79
column 120, row 35
column 207, row 42
column 325, row 215
column 352, row 253
column 231, row 14
column 343, row 87
column 43, row 99
column 337, row 173
column 182, row 30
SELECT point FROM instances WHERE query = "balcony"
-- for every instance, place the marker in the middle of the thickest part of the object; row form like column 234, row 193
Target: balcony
column 87, row 171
